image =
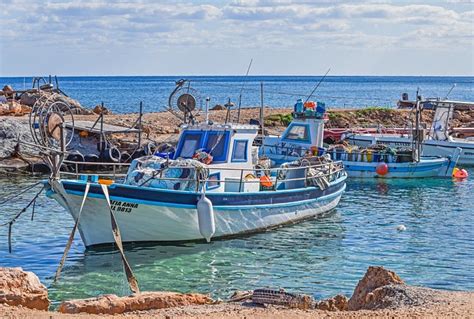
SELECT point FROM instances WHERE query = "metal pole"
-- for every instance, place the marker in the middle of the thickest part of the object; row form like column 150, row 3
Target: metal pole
column 241, row 177
column 207, row 109
column 261, row 111
column 101, row 127
column 416, row 133
column 140, row 124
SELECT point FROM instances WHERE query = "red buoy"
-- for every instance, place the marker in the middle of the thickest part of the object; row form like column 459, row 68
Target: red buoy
column 460, row 173
column 382, row 169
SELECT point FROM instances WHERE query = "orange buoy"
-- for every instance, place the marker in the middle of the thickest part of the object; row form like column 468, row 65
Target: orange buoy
column 382, row 169
column 266, row 181
column 460, row 173
column 104, row 181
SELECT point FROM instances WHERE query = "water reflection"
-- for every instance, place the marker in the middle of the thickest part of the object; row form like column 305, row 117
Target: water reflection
column 268, row 259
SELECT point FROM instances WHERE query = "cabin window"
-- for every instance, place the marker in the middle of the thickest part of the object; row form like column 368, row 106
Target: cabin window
column 216, row 145
column 239, row 151
column 297, row 133
column 213, row 181
column 190, row 143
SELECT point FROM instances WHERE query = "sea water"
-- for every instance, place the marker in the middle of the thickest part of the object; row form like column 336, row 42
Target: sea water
column 123, row 94
column 321, row 257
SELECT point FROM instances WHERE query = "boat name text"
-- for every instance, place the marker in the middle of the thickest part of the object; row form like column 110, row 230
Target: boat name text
column 124, row 207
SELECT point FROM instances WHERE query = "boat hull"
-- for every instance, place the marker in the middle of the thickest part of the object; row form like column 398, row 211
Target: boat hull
column 441, row 167
column 430, row 147
column 155, row 220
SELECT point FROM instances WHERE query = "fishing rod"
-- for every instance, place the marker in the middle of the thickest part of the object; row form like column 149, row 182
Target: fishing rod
column 242, row 89
column 317, row 85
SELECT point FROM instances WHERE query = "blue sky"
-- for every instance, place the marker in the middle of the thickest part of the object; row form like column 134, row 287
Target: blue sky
column 300, row 37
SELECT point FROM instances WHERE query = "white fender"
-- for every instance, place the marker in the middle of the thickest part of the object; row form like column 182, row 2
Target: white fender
column 207, row 225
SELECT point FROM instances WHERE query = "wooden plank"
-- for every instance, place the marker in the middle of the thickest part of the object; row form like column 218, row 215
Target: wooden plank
column 107, row 128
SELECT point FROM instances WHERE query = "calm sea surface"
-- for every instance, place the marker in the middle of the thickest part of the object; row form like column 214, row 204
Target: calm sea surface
column 321, row 257
column 123, row 94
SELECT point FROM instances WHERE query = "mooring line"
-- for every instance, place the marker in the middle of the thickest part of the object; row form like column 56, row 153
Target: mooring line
column 18, row 194
column 132, row 281
column 11, row 221
column 71, row 236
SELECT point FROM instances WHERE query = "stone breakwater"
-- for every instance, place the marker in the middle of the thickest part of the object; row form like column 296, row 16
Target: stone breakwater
column 380, row 293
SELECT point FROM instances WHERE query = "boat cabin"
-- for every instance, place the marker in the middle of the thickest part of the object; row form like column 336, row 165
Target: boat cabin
column 229, row 144
column 228, row 147
column 305, row 132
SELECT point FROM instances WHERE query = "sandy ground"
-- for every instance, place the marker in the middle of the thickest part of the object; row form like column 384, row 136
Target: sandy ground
column 441, row 304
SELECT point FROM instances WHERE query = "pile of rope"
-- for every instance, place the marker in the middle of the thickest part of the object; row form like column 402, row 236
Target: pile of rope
column 157, row 172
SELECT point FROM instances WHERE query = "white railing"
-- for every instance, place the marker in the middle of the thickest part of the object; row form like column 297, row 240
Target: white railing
column 330, row 171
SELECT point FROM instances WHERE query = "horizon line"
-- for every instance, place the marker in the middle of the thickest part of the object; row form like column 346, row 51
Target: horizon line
column 235, row 75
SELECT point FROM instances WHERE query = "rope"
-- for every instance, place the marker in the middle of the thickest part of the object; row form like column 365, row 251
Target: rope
column 10, row 223
column 22, row 192
column 71, row 236
column 132, row 281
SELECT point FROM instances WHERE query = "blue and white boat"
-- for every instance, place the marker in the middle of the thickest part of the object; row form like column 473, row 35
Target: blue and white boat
column 304, row 135
column 215, row 186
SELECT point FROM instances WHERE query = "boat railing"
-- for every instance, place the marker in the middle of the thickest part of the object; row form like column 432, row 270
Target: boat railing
column 108, row 169
column 370, row 155
column 330, row 171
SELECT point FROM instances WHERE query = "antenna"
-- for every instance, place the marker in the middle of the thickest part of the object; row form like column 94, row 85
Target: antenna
column 317, row 85
column 450, row 90
column 242, row 89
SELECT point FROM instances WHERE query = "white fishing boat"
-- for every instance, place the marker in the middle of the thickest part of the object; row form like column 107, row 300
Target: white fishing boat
column 438, row 142
column 213, row 187
column 304, row 136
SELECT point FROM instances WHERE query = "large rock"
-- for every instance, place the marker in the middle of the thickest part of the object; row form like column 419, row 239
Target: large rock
column 11, row 132
column 22, row 288
column 30, row 98
column 374, row 278
column 112, row 304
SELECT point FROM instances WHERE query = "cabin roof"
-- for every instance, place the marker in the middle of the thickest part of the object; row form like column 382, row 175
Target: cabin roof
column 221, row 127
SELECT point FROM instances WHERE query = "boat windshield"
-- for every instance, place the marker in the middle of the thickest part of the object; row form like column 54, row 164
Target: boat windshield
column 213, row 142
column 297, row 132
column 189, row 144
column 216, row 145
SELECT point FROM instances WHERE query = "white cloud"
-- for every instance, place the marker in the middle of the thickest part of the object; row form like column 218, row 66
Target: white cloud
column 239, row 24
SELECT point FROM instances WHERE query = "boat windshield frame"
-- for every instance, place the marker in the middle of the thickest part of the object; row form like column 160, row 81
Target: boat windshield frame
column 306, row 139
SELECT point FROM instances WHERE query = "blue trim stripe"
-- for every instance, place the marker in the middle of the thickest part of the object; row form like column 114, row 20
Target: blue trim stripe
column 222, row 207
column 302, row 202
column 394, row 169
column 189, row 199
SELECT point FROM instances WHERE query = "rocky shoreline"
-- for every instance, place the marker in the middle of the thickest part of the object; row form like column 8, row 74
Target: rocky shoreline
column 381, row 293
column 163, row 127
